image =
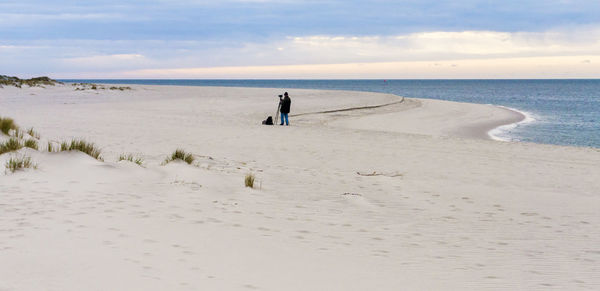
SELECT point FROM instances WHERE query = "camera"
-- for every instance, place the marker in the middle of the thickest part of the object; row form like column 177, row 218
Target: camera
column 280, row 96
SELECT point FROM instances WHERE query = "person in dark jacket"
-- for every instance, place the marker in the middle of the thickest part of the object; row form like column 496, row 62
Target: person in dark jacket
column 286, row 103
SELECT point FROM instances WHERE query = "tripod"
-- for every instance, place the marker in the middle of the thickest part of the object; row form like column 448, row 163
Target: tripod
column 278, row 109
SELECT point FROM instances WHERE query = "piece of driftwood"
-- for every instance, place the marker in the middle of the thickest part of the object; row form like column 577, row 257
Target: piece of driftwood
column 375, row 173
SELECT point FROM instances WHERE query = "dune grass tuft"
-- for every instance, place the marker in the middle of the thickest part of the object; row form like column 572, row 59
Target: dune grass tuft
column 17, row 163
column 249, row 180
column 50, row 147
column 31, row 143
column 33, row 133
column 131, row 158
column 82, row 146
column 180, row 154
column 13, row 144
column 6, row 124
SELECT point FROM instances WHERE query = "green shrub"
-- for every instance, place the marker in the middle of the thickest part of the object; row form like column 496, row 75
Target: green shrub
column 180, row 154
column 82, row 146
column 131, row 158
column 31, row 143
column 13, row 144
column 249, row 180
column 16, row 163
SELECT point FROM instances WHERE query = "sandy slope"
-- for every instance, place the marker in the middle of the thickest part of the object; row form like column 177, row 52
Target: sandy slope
column 356, row 200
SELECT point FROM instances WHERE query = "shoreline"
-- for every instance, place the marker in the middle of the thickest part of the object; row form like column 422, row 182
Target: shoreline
column 484, row 130
column 435, row 117
column 495, row 133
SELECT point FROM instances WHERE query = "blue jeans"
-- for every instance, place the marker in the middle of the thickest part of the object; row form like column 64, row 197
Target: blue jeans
column 284, row 115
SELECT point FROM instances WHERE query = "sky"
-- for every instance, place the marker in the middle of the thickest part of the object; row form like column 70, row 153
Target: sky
column 292, row 39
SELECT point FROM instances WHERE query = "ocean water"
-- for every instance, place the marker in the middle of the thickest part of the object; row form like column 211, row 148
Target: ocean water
column 562, row 112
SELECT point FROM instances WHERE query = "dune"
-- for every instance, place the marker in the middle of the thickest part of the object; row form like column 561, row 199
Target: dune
column 405, row 194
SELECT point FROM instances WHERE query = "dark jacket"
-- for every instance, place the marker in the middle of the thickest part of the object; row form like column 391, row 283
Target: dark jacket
column 285, row 104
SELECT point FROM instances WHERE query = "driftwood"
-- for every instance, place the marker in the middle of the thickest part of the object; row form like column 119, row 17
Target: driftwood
column 375, row 173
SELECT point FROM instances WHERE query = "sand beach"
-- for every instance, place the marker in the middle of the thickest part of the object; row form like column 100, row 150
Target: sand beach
column 405, row 194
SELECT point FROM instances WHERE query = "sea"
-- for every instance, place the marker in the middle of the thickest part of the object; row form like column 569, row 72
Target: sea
column 560, row 112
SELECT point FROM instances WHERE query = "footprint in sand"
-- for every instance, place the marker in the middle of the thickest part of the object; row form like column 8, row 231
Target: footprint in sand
column 214, row 220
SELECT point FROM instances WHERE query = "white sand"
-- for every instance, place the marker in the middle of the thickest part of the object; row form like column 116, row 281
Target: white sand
column 393, row 198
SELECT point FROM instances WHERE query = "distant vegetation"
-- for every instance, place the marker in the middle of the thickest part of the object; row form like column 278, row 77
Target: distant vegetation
column 91, row 86
column 33, row 82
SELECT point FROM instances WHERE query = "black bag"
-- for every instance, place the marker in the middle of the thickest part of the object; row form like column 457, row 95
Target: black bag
column 268, row 121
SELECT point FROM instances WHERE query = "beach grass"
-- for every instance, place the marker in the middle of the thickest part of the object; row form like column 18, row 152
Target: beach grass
column 120, row 88
column 33, row 133
column 180, row 154
column 7, row 124
column 82, row 146
column 16, row 163
column 13, row 144
column 31, row 143
column 131, row 158
column 33, row 82
column 249, row 180
column 50, row 147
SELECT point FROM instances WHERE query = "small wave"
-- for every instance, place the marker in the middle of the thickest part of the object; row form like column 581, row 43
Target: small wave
column 502, row 133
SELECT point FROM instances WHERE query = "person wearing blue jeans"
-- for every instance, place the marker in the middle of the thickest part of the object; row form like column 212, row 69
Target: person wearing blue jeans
column 284, row 116
column 286, row 103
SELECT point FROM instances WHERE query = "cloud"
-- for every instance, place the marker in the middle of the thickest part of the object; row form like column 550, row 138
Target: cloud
column 447, row 49
column 266, row 19
column 444, row 45
column 103, row 62
column 535, row 67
